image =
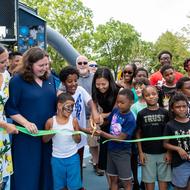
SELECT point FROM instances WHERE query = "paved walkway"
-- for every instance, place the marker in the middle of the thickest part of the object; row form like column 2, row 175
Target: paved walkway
column 93, row 182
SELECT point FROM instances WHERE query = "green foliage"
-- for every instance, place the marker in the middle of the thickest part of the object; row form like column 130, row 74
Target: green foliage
column 113, row 44
column 185, row 33
column 71, row 19
column 177, row 45
column 116, row 44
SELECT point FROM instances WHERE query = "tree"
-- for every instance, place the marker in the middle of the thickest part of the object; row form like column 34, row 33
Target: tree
column 113, row 44
column 142, row 54
column 176, row 45
column 185, row 33
column 71, row 19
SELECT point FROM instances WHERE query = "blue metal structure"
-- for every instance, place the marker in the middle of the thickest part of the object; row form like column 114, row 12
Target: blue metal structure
column 27, row 29
column 33, row 31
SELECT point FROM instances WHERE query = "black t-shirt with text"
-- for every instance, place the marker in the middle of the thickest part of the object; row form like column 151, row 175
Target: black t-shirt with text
column 152, row 124
column 174, row 127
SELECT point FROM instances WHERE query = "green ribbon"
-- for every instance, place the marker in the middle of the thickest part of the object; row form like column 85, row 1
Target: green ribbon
column 149, row 139
column 48, row 132
column 69, row 132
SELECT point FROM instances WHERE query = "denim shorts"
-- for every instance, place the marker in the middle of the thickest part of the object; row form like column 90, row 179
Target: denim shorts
column 66, row 172
column 181, row 175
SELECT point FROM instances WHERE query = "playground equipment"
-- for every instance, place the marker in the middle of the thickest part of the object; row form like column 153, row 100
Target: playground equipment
column 26, row 29
column 61, row 45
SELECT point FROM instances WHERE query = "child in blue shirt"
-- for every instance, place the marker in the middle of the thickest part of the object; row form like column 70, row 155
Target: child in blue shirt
column 121, row 128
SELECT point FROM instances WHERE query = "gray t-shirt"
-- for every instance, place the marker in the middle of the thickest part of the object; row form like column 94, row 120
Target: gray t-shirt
column 86, row 83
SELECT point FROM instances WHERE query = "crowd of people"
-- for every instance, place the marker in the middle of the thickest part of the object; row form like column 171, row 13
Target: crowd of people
column 87, row 99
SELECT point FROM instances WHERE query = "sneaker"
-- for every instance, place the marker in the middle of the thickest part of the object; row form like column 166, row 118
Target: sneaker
column 90, row 161
column 95, row 167
column 99, row 172
column 84, row 165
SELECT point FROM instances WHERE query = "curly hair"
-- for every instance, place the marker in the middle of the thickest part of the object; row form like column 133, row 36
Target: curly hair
column 178, row 96
column 185, row 64
column 181, row 81
column 164, row 52
column 141, row 69
column 164, row 68
column 127, row 92
column 66, row 71
column 30, row 57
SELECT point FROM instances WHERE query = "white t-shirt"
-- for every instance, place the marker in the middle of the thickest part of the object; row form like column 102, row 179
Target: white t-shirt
column 81, row 98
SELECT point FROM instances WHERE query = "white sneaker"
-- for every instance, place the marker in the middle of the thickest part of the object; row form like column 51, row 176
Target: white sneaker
column 90, row 161
column 84, row 165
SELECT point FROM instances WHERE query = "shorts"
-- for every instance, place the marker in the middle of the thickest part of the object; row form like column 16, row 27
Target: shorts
column 156, row 168
column 119, row 164
column 66, row 173
column 183, row 171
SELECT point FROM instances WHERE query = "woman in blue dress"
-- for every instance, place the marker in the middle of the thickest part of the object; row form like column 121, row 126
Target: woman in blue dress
column 31, row 102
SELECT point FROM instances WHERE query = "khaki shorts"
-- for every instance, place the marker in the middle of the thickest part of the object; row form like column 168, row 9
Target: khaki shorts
column 156, row 168
column 92, row 141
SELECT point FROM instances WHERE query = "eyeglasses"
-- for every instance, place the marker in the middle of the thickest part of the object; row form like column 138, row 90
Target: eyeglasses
column 84, row 63
column 165, row 58
column 128, row 72
column 93, row 65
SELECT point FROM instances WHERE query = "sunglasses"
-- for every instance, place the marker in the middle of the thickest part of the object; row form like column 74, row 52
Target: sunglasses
column 84, row 63
column 128, row 72
column 93, row 65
